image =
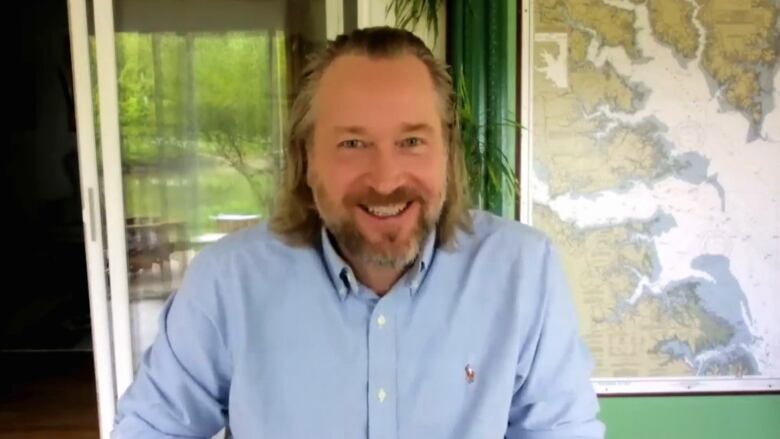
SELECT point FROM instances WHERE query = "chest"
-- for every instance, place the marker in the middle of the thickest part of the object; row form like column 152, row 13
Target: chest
column 437, row 363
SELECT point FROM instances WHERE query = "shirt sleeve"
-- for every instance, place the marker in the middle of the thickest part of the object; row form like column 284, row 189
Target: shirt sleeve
column 182, row 385
column 553, row 396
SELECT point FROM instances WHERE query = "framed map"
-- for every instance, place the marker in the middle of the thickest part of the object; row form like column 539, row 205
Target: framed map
column 652, row 159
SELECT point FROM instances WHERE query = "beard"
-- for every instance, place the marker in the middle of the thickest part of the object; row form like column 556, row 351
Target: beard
column 392, row 251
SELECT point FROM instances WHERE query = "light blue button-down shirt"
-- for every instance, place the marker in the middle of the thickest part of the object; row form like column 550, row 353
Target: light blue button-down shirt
column 479, row 341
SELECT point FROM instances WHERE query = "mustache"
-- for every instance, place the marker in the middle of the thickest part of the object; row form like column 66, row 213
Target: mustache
column 369, row 196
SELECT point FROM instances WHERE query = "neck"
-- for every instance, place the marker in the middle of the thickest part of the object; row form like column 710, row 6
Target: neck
column 379, row 279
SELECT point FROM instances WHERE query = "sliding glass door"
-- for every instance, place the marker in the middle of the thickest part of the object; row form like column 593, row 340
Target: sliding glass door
column 187, row 102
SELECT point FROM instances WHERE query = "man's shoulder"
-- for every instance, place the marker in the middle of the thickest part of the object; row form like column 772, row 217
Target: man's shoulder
column 254, row 244
column 492, row 230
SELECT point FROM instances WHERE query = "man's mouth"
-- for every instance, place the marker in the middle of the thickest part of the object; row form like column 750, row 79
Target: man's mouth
column 386, row 210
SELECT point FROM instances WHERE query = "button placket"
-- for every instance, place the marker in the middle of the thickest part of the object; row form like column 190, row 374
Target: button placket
column 382, row 363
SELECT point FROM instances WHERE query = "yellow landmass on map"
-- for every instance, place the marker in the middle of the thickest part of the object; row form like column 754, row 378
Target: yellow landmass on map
column 672, row 24
column 565, row 137
column 578, row 46
column 550, row 16
column 599, row 265
column 591, row 259
column 615, row 26
column 741, row 36
column 596, row 86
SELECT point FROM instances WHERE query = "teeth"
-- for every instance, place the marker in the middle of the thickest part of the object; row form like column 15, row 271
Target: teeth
column 389, row 210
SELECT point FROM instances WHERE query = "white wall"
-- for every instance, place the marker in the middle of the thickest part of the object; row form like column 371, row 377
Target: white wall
column 372, row 13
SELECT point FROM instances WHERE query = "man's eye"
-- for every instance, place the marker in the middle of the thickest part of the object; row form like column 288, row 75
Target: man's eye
column 411, row 142
column 351, row 144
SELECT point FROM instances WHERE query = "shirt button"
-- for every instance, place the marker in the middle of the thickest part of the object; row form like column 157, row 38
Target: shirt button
column 381, row 320
column 382, row 395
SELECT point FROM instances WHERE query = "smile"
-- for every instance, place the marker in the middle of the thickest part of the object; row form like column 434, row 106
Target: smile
column 386, row 211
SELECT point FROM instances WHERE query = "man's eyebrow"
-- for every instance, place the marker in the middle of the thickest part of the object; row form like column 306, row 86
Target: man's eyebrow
column 405, row 127
column 417, row 127
column 350, row 130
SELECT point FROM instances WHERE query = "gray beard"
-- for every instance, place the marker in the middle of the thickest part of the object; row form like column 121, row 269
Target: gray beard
column 351, row 241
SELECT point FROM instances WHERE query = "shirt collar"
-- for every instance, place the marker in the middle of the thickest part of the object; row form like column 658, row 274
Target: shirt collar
column 344, row 279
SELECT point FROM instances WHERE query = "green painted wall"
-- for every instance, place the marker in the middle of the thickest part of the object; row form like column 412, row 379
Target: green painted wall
column 692, row 417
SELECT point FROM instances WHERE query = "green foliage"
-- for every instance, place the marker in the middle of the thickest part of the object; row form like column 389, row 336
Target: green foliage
column 197, row 119
column 232, row 75
column 136, row 89
column 408, row 13
column 487, row 172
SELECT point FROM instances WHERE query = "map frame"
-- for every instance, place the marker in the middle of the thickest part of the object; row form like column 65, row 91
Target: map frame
column 610, row 385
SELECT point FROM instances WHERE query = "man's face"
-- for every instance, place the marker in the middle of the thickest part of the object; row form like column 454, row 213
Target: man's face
column 377, row 161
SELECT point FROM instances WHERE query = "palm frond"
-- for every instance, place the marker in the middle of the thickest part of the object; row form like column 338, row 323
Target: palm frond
column 409, row 13
column 489, row 171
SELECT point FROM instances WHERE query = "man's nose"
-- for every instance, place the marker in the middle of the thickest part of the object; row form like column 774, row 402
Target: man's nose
column 386, row 170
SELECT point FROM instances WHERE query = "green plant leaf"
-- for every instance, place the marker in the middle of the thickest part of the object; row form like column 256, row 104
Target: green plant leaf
column 409, row 13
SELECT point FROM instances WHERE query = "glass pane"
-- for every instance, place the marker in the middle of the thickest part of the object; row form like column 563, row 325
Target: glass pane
column 203, row 98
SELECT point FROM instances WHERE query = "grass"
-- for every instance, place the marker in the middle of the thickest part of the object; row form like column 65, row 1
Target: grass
column 194, row 196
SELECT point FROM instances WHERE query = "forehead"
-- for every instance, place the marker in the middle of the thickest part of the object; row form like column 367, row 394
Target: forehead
column 376, row 92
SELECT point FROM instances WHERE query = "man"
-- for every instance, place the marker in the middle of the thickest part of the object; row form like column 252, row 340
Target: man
column 374, row 304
